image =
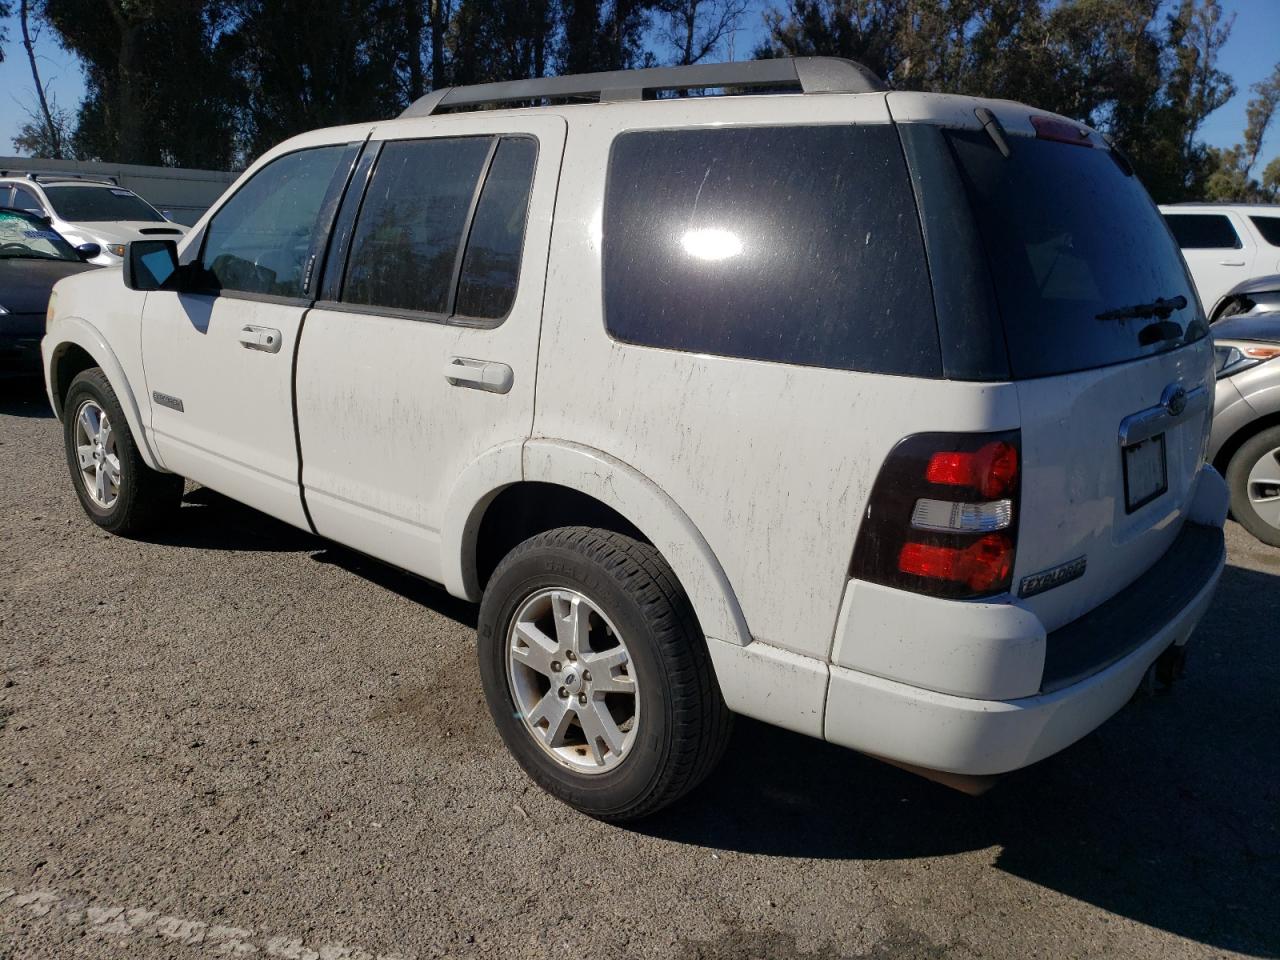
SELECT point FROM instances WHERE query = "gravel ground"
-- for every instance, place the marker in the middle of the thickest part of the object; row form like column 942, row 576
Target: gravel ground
column 238, row 740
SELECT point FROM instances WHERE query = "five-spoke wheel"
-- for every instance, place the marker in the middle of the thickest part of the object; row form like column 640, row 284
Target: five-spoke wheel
column 95, row 443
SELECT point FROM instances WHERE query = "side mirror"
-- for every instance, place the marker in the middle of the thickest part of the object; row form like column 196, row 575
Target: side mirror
column 151, row 265
column 88, row 251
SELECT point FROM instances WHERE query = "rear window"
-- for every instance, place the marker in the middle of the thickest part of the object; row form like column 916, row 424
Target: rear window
column 1203, row 231
column 1269, row 227
column 795, row 244
column 1071, row 240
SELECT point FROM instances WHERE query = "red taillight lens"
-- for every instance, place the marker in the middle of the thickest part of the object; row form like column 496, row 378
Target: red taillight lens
column 942, row 518
column 991, row 471
column 982, row 566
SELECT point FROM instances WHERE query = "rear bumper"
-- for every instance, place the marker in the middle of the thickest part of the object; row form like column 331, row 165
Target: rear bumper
column 956, row 734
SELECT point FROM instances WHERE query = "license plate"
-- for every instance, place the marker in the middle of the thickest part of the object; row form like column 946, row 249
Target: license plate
column 1145, row 472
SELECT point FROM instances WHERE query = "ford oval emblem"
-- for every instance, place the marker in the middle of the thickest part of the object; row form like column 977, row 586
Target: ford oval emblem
column 1175, row 400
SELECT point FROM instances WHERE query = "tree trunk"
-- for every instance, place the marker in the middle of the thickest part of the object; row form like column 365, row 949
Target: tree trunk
column 55, row 141
column 414, row 27
column 438, row 24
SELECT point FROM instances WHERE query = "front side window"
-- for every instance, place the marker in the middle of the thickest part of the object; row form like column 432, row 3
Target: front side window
column 84, row 204
column 265, row 239
column 796, row 244
column 1203, row 231
column 1269, row 227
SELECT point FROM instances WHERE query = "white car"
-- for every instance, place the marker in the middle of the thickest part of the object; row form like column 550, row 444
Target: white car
column 85, row 210
column 813, row 406
column 1225, row 244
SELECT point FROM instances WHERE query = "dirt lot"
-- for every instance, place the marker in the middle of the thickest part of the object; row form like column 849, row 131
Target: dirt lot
column 238, row 740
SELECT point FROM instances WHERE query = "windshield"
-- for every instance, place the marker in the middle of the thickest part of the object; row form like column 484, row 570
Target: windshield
column 85, row 204
column 31, row 239
column 1085, row 271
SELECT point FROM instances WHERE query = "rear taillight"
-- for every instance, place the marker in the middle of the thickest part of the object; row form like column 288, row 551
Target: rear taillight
column 942, row 517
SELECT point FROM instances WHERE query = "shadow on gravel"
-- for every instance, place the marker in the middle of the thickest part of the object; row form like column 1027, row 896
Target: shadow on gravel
column 419, row 591
column 210, row 521
column 24, row 397
column 1169, row 815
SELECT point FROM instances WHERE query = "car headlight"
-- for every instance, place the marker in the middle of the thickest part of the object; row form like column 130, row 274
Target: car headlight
column 3, row 311
column 116, row 249
column 1233, row 356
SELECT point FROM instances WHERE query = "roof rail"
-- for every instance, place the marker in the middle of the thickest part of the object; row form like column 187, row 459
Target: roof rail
column 811, row 74
column 41, row 176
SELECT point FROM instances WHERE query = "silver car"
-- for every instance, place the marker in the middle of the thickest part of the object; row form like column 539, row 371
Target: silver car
column 1245, row 445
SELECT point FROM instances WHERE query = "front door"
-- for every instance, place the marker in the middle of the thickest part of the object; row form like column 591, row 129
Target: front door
column 421, row 357
column 219, row 355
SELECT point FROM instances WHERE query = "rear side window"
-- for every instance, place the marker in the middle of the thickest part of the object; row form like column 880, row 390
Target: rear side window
column 796, row 244
column 1203, row 231
column 491, row 264
column 1072, row 243
column 411, row 224
column 1269, row 227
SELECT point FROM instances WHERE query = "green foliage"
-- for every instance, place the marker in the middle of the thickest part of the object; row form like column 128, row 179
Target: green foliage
column 1231, row 176
column 1147, row 80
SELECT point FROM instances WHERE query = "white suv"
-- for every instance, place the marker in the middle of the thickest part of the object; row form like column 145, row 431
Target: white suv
column 1225, row 244
column 840, row 408
column 88, row 210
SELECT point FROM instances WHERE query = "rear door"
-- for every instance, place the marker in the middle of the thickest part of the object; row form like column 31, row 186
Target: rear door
column 219, row 355
column 1108, row 350
column 1218, row 248
column 421, row 356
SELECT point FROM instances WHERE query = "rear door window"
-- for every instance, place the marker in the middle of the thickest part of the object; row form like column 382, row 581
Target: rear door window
column 794, row 244
column 1071, row 241
column 1203, row 231
column 1269, row 227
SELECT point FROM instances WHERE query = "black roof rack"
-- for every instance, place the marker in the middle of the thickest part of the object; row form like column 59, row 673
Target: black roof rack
column 40, row 176
column 811, row 74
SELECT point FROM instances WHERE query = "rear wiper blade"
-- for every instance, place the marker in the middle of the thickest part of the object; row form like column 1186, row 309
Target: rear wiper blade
column 1158, row 307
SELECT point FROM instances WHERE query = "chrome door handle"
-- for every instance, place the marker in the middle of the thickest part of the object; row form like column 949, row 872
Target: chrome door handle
column 1231, row 263
column 479, row 374
column 266, row 339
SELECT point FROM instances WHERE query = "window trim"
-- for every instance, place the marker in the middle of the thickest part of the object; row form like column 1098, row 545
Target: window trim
column 332, row 292
column 321, row 240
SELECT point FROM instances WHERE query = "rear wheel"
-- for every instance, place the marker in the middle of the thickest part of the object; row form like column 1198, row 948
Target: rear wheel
column 1253, row 476
column 118, row 491
column 597, row 675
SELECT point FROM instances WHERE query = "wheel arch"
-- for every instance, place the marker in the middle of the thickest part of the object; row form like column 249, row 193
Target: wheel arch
column 573, row 484
column 1222, row 459
column 81, row 346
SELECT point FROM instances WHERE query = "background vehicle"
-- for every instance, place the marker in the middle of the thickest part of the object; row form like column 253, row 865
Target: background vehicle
column 1225, row 243
column 1259, row 295
column 33, row 257
column 923, row 479
column 84, row 210
column 1245, row 444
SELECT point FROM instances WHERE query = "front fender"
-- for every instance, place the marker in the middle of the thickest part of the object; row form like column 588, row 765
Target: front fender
column 79, row 332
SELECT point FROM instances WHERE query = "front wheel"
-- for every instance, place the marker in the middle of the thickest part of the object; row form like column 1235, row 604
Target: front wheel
column 1253, row 477
column 597, row 675
column 118, row 491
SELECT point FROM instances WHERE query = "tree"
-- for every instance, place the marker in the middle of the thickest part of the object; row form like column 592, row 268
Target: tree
column 1232, row 177
column 6, row 11
column 1118, row 65
column 51, row 135
column 161, row 88
column 696, row 28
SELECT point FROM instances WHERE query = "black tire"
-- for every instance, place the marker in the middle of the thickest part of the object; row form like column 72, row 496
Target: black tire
column 1260, row 445
column 684, row 724
column 145, row 497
